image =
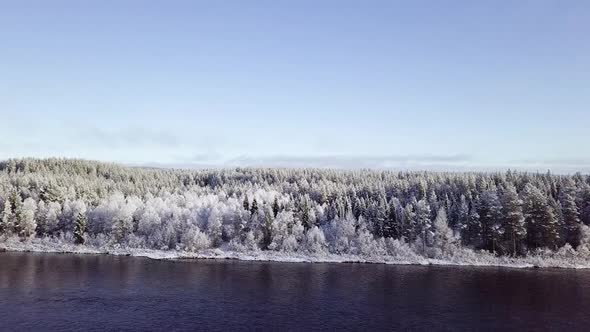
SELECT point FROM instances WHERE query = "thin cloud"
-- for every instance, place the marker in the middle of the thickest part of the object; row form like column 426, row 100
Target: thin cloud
column 128, row 137
column 553, row 162
column 394, row 161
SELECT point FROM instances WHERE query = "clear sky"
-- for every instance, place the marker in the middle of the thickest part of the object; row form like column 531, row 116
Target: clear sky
column 403, row 84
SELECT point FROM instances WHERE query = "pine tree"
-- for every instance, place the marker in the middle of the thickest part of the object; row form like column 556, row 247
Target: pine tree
column 490, row 218
column 513, row 219
column 571, row 215
column 556, row 207
column 340, row 206
column 540, row 219
column 583, row 202
column 80, row 228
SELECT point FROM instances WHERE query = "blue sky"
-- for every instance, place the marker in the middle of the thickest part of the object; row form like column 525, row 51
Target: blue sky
column 402, row 84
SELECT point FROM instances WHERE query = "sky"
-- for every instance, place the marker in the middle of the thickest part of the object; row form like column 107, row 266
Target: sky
column 443, row 85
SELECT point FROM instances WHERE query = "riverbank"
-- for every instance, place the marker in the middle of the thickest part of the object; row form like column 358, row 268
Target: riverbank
column 461, row 257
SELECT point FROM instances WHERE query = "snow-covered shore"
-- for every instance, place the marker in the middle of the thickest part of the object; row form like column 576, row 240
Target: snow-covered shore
column 463, row 257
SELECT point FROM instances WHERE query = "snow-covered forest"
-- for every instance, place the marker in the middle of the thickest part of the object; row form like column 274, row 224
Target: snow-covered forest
column 360, row 213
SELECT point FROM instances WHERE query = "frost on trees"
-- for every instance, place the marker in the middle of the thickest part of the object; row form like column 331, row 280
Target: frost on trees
column 304, row 211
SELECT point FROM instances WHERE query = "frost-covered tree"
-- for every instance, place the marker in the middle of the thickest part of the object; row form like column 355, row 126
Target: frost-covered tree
column 14, row 224
column 70, row 211
column 214, row 227
column 570, row 213
column 471, row 235
column 540, row 219
column 423, row 222
column 442, row 236
column 409, row 223
column 6, row 218
column 360, row 212
column 583, row 202
column 513, row 220
column 490, row 219
column 194, row 240
column 27, row 223
column 121, row 229
column 341, row 234
column 462, row 216
column 392, row 226
column 267, row 227
column 48, row 218
column 315, row 240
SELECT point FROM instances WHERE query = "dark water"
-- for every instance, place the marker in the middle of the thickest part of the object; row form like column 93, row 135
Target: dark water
column 70, row 292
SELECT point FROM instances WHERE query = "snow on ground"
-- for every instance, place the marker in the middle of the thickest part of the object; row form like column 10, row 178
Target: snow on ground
column 463, row 257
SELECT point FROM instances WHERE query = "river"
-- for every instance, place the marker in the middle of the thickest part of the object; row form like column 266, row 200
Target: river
column 41, row 292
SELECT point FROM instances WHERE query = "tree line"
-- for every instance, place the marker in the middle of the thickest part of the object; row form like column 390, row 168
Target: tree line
column 316, row 210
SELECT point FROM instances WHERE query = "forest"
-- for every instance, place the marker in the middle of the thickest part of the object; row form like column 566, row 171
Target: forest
column 306, row 211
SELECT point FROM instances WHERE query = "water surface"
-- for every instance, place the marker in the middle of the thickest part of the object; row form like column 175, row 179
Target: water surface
column 40, row 292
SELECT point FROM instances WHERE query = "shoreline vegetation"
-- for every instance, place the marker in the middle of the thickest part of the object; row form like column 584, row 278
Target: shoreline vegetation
column 509, row 219
column 469, row 258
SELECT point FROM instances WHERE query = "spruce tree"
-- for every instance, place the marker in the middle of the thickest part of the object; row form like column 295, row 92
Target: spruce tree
column 408, row 223
column 392, row 226
column 462, row 217
column 423, row 221
column 254, row 207
column 246, row 203
column 380, row 217
column 275, row 207
column 471, row 235
column 80, row 228
column 267, row 227
column 304, row 213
